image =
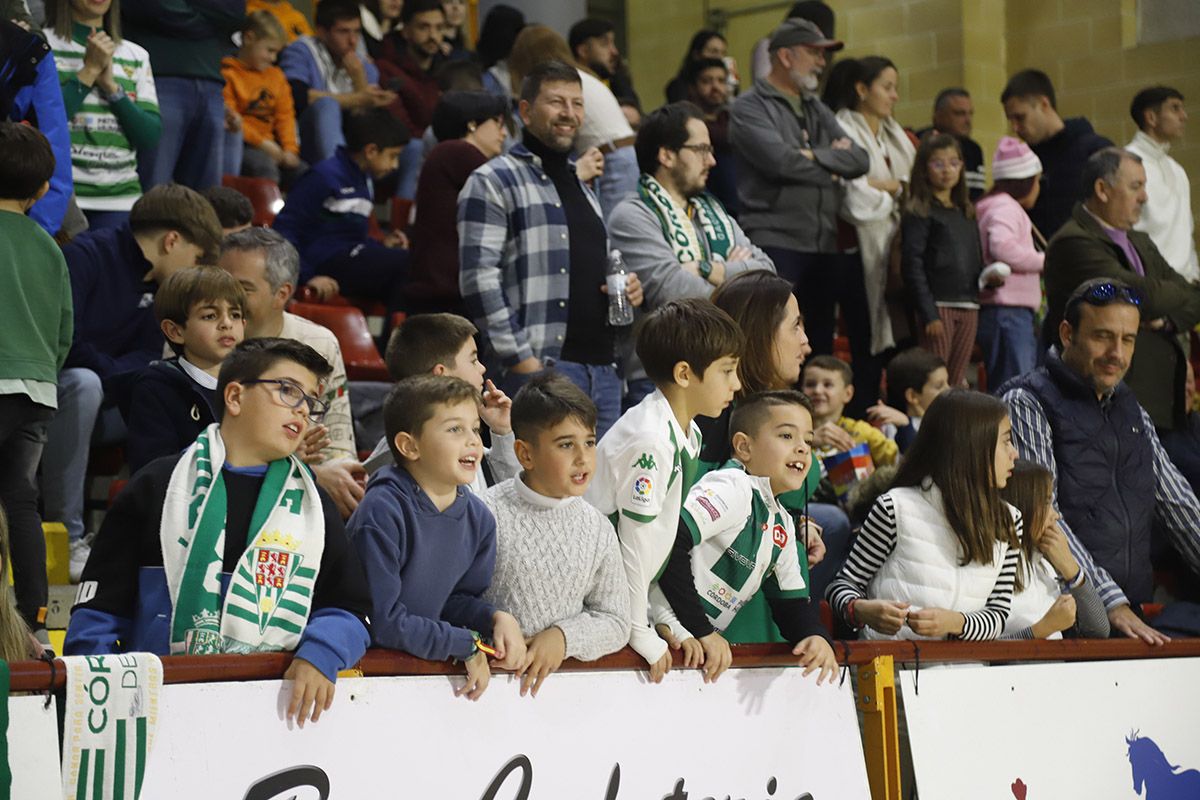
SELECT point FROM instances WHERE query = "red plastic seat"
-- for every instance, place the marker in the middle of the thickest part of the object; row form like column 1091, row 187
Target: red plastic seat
column 362, row 359
column 263, row 194
column 401, row 212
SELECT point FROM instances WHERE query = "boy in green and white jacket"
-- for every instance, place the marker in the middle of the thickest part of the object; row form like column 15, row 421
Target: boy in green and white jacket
column 648, row 460
column 735, row 537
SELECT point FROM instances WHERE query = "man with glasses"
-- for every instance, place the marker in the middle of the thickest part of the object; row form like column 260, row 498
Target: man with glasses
column 676, row 236
column 792, row 156
column 1114, row 482
column 268, row 268
column 232, row 547
column 1099, row 242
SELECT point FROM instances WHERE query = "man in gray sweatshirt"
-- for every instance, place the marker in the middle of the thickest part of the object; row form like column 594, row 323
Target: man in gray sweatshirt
column 673, row 233
column 792, row 156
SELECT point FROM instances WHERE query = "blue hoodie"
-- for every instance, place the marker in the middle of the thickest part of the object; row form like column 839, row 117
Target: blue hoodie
column 427, row 569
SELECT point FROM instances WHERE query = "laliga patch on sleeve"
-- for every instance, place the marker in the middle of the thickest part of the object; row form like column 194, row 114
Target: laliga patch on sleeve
column 643, row 490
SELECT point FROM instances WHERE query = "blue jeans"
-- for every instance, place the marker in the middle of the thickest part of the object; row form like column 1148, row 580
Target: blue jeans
column 22, row 437
column 1008, row 339
column 836, row 533
column 636, row 391
column 105, row 219
column 602, row 383
column 619, row 180
column 193, row 135
column 231, row 153
column 321, row 130
column 78, row 425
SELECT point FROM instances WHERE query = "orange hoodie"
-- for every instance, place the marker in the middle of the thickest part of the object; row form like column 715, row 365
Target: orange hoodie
column 293, row 22
column 264, row 101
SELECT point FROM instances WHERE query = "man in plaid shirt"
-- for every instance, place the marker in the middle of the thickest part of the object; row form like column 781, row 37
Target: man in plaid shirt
column 533, row 251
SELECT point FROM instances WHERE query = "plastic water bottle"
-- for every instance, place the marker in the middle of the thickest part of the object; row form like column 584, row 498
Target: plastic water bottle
column 620, row 311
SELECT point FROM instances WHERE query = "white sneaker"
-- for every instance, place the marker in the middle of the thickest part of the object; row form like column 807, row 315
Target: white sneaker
column 80, row 550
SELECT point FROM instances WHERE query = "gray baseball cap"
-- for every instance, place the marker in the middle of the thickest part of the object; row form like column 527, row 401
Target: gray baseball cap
column 796, row 31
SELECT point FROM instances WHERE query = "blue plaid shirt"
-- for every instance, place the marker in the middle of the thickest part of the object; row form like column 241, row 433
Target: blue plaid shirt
column 514, row 256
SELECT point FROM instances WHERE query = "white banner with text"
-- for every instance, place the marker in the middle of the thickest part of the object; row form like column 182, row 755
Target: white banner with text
column 33, row 748
column 1118, row 730
column 765, row 733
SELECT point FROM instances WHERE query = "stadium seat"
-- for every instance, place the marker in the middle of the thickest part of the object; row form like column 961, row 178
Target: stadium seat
column 263, row 194
column 363, row 362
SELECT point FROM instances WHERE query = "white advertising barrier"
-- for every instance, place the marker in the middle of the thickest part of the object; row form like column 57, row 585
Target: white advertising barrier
column 758, row 734
column 33, row 748
column 1115, row 730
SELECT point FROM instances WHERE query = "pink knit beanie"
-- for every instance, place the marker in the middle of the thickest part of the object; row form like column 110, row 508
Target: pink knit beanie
column 1014, row 160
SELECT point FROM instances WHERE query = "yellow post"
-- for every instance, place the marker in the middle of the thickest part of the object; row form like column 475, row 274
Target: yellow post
column 881, row 739
column 58, row 553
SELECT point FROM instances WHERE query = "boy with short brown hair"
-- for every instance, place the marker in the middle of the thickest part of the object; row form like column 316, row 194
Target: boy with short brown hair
column 647, row 461
column 428, row 544
column 202, row 314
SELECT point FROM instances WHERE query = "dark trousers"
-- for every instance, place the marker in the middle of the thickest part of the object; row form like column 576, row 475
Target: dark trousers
column 824, row 282
column 23, row 425
column 370, row 270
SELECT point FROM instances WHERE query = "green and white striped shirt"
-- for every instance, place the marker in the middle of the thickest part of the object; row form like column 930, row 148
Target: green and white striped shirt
column 103, row 160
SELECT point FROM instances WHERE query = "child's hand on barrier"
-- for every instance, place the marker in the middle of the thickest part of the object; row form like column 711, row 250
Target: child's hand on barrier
column 544, row 654
column 508, row 641
column 718, row 656
column 661, row 667
column 478, row 675
column 312, row 692
column 885, row 616
column 693, row 653
column 936, row 622
column 816, row 654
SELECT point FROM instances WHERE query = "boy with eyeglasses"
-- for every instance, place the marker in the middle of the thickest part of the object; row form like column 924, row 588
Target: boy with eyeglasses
column 237, row 506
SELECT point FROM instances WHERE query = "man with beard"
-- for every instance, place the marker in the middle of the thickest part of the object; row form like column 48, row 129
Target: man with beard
column 1113, row 480
column 707, row 81
column 533, row 251
column 1098, row 241
column 594, row 44
column 792, row 156
column 676, row 236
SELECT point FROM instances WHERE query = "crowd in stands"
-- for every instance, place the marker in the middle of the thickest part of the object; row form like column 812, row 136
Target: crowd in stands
column 796, row 413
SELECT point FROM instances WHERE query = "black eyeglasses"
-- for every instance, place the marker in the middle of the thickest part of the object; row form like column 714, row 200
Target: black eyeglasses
column 292, row 396
column 699, row 149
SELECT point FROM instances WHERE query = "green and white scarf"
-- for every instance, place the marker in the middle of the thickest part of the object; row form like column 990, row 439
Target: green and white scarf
column 677, row 225
column 270, row 592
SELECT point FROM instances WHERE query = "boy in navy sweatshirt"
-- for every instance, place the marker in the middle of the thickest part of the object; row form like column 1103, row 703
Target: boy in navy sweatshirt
column 287, row 577
column 201, row 312
column 114, row 275
column 328, row 212
column 429, row 544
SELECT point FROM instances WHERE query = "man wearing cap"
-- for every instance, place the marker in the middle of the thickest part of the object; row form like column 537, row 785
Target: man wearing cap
column 1099, row 241
column 1113, row 481
column 792, row 155
column 470, row 128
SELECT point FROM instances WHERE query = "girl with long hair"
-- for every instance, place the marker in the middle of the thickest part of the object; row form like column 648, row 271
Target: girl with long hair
column 937, row 556
column 16, row 642
column 705, row 43
column 940, row 257
column 1054, row 596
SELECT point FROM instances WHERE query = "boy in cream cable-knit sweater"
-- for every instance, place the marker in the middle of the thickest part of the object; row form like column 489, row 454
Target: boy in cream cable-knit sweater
column 558, row 567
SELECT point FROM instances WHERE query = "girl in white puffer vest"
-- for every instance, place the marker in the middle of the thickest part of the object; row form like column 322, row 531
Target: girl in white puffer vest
column 937, row 556
column 1053, row 595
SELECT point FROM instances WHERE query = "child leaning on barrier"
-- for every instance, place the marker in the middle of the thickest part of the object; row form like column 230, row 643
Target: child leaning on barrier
column 937, row 556
column 232, row 547
column 1053, row 595
column 427, row 542
column 649, row 459
column 735, row 537
column 558, row 567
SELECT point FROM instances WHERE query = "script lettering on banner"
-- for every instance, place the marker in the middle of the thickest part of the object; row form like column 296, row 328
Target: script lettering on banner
column 757, row 734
